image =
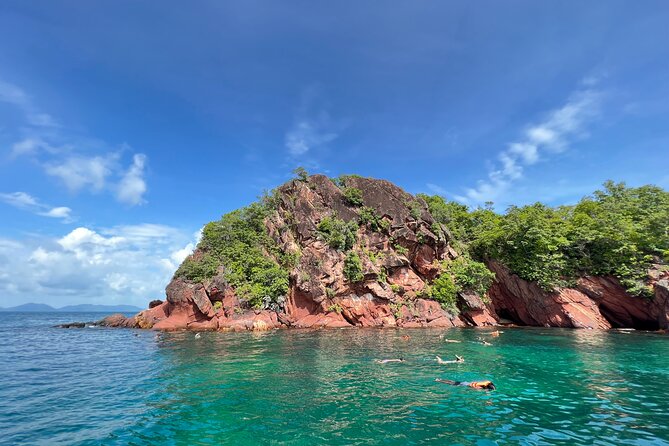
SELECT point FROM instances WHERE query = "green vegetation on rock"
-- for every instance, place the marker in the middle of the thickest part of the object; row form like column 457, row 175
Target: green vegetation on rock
column 470, row 275
column 617, row 231
column 337, row 233
column 443, row 290
column 301, row 173
column 353, row 267
column 341, row 180
column 369, row 217
column 353, row 196
column 253, row 263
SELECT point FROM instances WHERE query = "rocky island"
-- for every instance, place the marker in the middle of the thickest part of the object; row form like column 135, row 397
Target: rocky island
column 361, row 252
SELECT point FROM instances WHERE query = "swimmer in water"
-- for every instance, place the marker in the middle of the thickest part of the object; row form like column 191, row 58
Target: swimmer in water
column 449, row 340
column 482, row 385
column 386, row 361
column 484, row 342
column 457, row 359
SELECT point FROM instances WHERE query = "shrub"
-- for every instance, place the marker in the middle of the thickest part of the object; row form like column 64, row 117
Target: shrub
column 335, row 308
column 443, row 290
column 337, row 233
column 198, row 270
column 301, row 173
column 251, row 259
column 396, row 308
column 270, row 199
column 353, row 268
column 617, row 231
column 415, row 209
column 382, row 277
column 353, row 196
column 401, row 250
column 470, row 275
column 218, row 305
column 341, row 180
column 396, row 288
column 368, row 217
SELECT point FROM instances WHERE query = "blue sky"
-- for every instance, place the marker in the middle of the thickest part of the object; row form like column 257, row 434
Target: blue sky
column 127, row 125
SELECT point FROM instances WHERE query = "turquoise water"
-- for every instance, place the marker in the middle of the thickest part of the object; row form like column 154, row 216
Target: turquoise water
column 105, row 386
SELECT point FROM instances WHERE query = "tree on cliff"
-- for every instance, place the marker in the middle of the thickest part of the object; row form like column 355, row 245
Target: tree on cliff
column 618, row 231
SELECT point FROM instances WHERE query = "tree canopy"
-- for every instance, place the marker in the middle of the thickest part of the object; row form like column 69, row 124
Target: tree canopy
column 618, row 231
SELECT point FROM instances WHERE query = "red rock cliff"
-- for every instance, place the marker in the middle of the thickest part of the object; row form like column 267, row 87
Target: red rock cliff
column 319, row 295
column 397, row 264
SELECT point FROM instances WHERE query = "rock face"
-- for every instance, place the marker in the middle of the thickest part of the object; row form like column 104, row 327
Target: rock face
column 397, row 264
column 397, row 261
column 596, row 302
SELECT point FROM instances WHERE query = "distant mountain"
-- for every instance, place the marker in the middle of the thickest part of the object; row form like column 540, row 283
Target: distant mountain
column 30, row 307
column 83, row 308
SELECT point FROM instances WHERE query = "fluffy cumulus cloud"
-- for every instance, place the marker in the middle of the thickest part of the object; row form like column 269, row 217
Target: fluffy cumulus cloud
column 550, row 136
column 132, row 187
column 24, row 201
column 125, row 264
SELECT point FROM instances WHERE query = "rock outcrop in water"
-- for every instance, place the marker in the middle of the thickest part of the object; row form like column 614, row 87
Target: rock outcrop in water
column 596, row 302
column 400, row 255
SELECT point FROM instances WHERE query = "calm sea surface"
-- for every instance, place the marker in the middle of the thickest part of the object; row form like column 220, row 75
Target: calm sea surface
column 125, row 387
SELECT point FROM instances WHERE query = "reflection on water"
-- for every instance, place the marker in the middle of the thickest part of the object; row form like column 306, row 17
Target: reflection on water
column 97, row 386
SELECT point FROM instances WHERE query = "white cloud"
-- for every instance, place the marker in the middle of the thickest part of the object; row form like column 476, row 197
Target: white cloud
column 78, row 172
column 306, row 135
column 61, row 154
column 436, row 189
column 26, row 146
column 24, row 201
column 124, row 264
column 312, row 127
column 34, row 145
column 20, row 200
column 11, row 94
column 528, row 152
column 552, row 135
column 58, row 212
column 132, row 187
column 180, row 255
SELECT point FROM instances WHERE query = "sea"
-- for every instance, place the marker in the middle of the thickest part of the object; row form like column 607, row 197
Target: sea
column 101, row 386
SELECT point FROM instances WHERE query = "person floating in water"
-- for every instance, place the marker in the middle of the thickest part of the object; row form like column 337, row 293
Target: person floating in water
column 449, row 340
column 485, row 385
column 484, row 342
column 386, row 361
column 457, row 359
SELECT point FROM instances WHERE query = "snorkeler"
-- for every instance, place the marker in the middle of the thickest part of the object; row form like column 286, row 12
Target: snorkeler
column 386, row 361
column 457, row 359
column 485, row 385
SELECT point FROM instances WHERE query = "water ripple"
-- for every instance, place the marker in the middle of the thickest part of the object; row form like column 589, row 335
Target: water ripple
column 99, row 386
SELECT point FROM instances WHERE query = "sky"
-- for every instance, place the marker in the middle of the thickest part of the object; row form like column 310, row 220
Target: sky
column 125, row 126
